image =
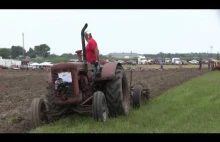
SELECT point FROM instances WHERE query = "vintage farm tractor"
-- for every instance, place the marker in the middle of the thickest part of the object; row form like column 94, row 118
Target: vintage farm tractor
column 215, row 65
column 72, row 89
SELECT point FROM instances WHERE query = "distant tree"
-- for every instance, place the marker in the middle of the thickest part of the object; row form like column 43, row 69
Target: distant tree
column 53, row 55
column 67, row 55
column 5, row 52
column 169, row 55
column 42, row 50
column 160, row 53
column 31, row 53
column 75, row 55
column 17, row 51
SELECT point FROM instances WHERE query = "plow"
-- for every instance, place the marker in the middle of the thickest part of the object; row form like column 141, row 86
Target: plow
column 144, row 69
column 73, row 89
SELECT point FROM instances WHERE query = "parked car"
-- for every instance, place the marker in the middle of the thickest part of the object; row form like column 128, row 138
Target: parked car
column 73, row 60
column 131, row 62
column 3, row 67
column 205, row 61
column 122, row 62
column 195, row 62
column 112, row 60
column 184, row 62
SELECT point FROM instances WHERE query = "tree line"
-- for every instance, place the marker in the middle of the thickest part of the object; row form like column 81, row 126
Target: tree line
column 43, row 50
column 183, row 55
column 15, row 52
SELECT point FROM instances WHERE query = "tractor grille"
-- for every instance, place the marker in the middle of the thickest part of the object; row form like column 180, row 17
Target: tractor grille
column 70, row 91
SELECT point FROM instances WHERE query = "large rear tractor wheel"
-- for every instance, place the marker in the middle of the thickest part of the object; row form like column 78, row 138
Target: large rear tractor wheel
column 117, row 94
column 100, row 109
column 38, row 112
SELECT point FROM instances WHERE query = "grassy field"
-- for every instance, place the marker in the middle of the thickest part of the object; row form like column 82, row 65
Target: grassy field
column 192, row 107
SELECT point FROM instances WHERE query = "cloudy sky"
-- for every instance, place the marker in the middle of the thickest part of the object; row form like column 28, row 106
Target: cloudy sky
column 140, row 31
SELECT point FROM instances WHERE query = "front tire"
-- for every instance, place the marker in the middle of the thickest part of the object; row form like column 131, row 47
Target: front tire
column 100, row 109
column 38, row 112
column 54, row 111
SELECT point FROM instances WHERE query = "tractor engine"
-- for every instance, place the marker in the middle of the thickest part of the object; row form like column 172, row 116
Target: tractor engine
column 63, row 88
column 67, row 84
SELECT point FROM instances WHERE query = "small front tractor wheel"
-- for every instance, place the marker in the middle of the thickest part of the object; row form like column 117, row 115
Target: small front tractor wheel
column 38, row 112
column 100, row 109
column 54, row 111
column 137, row 95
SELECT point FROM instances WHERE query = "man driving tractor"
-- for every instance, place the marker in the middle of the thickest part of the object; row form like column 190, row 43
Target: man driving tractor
column 92, row 52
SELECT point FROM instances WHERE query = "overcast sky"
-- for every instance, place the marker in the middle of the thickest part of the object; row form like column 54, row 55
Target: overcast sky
column 140, row 31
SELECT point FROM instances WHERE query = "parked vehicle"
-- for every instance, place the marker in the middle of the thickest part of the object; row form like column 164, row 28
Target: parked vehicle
column 73, row 60
column 122, row 62
column 167, row 61
column 184, row 62
column 150, row 61
column 159, row 60
column 194, row 62
column 142, row 60
column 176, row 61
column 131, row 62
column 205, row 61
column 112, row 60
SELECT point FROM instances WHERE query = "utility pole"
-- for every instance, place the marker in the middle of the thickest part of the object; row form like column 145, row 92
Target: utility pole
column 211, row 49
column 217, row 57
column 23, row 43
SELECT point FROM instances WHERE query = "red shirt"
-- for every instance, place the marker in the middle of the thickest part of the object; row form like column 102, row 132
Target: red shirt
column 90, row 50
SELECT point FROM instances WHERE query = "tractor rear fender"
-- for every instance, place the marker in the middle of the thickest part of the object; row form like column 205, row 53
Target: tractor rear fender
column 108, row 70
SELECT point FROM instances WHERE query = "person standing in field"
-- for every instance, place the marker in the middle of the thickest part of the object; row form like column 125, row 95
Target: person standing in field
column 161, row 64
column 200, row 63
column 180, row 64
column 209, row 64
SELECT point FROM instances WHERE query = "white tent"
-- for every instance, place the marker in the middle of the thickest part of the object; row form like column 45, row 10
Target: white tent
column 46, row 64
column 35, row 64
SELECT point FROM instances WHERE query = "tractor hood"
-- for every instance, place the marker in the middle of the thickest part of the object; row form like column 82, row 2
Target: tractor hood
column 65, row 66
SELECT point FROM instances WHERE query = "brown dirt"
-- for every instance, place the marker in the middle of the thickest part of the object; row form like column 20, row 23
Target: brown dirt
column 19, row 88
column 160, row 81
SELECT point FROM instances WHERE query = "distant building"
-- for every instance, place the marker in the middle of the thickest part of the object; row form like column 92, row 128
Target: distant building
column 123, row 55
column 9, row 62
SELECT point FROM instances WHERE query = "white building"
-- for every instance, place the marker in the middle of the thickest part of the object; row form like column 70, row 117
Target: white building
column 9, row 62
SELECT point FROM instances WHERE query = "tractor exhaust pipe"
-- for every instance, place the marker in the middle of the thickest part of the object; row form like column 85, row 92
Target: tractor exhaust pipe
column 84, row 47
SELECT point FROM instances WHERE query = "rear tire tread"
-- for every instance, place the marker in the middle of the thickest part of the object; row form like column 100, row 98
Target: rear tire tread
column 114, row 94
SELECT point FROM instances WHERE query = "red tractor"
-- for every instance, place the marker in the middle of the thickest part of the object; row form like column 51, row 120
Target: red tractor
column 73, row 89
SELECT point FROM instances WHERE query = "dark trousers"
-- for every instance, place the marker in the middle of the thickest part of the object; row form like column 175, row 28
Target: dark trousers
column 200, row 66
column 96, row 69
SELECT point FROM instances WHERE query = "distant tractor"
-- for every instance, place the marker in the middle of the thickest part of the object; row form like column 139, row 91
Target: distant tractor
column 72, row 88
column 215, row 65
column 25, row 63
